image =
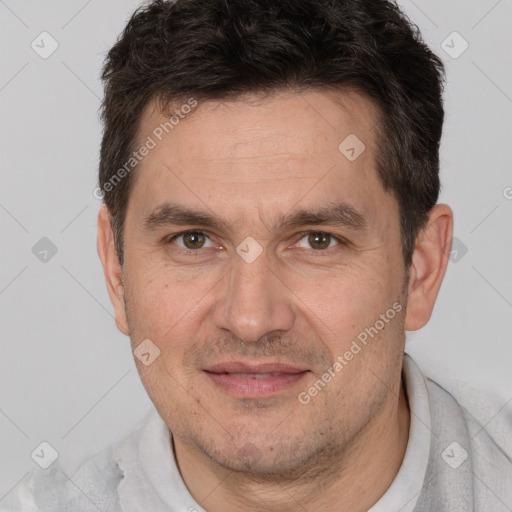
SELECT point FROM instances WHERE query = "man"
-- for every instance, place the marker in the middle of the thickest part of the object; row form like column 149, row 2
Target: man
column 270, row 174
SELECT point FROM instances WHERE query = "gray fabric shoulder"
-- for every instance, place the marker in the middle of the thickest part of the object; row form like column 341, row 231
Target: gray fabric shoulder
column 492, row 469
column 93, row 487
column 480, row 481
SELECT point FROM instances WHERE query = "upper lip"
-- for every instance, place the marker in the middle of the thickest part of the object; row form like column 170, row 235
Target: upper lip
column 240, row 367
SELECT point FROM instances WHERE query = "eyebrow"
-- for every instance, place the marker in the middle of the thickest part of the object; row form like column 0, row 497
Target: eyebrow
column 339, row 214
column 178, row 215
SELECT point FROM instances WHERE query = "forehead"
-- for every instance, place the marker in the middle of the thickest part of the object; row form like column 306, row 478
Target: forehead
column 262, row 151
column 256, row 126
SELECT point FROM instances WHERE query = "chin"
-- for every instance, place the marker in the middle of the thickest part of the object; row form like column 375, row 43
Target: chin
column 278, row 458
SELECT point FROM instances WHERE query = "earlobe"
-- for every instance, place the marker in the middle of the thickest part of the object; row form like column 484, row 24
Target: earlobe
column 112, row 270
column 428, row 267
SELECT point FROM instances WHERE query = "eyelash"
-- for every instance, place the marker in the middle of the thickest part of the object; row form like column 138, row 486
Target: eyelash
column 191, row 252
column 196, row 252
column 341, row 241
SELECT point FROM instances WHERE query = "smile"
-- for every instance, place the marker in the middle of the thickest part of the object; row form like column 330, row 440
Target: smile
column 254, row 381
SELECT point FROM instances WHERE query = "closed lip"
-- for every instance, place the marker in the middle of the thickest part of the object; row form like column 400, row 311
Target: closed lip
column 239, row 367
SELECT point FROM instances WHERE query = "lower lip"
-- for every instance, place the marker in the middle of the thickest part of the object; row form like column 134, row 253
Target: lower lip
column 255, row 388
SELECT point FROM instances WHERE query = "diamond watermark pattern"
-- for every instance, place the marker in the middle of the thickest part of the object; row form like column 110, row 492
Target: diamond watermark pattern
column 44, row 45
column 458, row 251
column 44, row 250
column 352, row 147
column 44, row 455
column 454, row 455
column 249, row 249
column 454, row 45
column 146, row 352
column 250, row 450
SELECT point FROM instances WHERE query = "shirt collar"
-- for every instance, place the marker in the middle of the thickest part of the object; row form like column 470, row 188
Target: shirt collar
column 151, row 478
column 406, row 488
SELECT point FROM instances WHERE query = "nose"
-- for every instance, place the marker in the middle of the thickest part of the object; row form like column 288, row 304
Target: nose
column 253, row 301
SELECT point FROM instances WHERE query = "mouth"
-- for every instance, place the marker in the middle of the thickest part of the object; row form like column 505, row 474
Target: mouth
column 254, row 381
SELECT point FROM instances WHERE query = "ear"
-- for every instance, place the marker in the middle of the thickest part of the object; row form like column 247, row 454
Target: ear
column 111, row 268
column 428, row 267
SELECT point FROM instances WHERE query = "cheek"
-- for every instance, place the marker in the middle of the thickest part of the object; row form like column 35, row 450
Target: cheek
column 165, row 308
column 165, row 312
column 342, row 302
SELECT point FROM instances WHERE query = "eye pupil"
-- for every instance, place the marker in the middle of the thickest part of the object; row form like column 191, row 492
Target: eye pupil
column 319, row 240
column 193, row 240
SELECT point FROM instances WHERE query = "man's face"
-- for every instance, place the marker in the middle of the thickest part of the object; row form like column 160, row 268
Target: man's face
column 265, row 290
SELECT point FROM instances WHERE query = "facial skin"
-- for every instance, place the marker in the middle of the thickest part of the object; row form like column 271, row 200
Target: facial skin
column 250, row 163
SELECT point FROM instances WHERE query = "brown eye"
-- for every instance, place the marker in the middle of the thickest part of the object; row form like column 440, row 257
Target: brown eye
column 319, row 240
column 190, row 240
column 194, row 240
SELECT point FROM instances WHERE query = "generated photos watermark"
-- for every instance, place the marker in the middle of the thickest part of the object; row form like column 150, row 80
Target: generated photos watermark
column 151, row 143
column 355, row 348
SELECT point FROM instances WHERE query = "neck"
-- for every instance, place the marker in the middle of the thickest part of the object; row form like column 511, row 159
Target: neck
column 353, row 480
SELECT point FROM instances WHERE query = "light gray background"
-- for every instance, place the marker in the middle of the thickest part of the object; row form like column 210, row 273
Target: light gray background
column 66, row 374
